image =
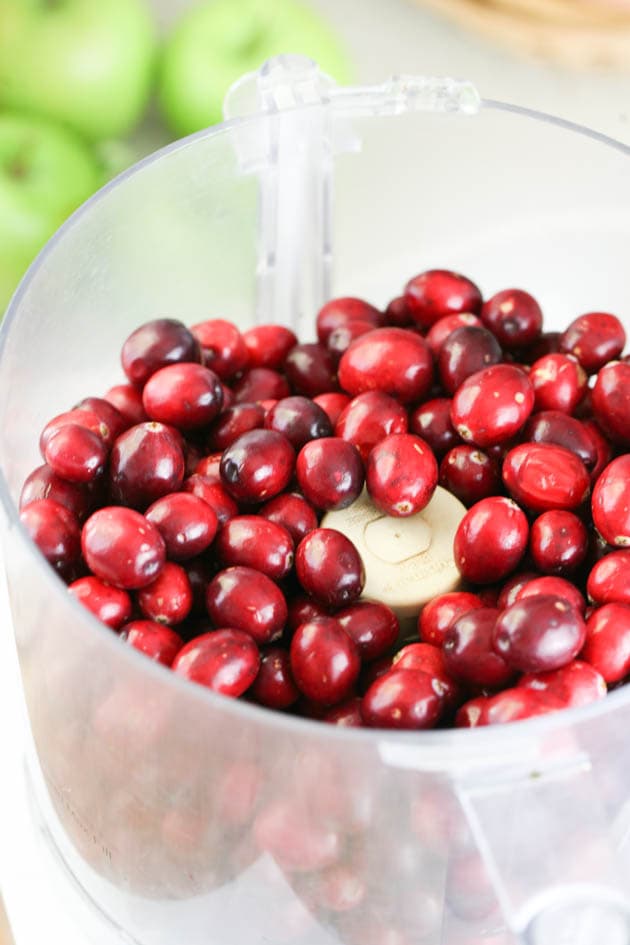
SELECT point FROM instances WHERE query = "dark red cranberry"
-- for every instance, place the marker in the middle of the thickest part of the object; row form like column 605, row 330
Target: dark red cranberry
column 299, row 419
column 607, row 646
column 110, row 605
column 491, row 540
column 440, row 614
column 225, row 661
column 186, row 523
column 76, row 454
column 393, row 360
column 340, row 339
column 442, row 329
column 329, row 567
column 397, row 313
column 43, row 483
column 55, row 530
column 466, row 351
column 339, row 312
column 432, row 421
column 611, row 401
column 168, row 599
column 247, row 600
column 293, row 512
column 156, row 641
column 255, row 542
column 430, row 660
column 186, row 396
column 513, row 586
column 514, row 705
column 303, row 609
column 146, row 463
column 200, row 572
column 127, row 399
column 609, row 580
column 559, row 382
column 330, row 473
column 514, row 317
column 469, row 654
column 539, row 634
column 553, row 426
column 257, row 466
column 372, row 626
column 469, row 474
column 473, row 713
column 401, row 474
column 107, row 414
column 543, row 476
column 260, row 384
column 603, row 449
column 594, row 339
column 333, row 404
column 548, row 343
column 402, row 698
column 223, row 348
column 611, row 502
column 294, row 839
column 83, row 418
column 492, row 405
column 558, row 542
column 324, row 661
column 153, row 346
column 310, row 370
column 348, row 714
column 575, row 684
column 274, row 685
column 555, row 586
column 232, row 423
column 368, row 418
column 213, row 494
column 374, row 670
column 121, row 547
column 438, row 292
column 268, row 345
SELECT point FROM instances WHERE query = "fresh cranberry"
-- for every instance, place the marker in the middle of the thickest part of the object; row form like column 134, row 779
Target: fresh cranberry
column 274, row 685
column 76, row 454
column 514, row 705
column 325, row 662
column 607, row 646
column 330, row 473
column 473, row 713
column 442, row 329
column 186, row 396
column 402, row 698
column 232, row 423
column 372, row 626
column 469, row 654
column 268, row 345
column 333, row 404
column 539, row 634
column 438, row 292
column 368, row 418
column 299, row 419
column 257, row 466
column 555, row 427
column 158, row 642
column 107, row 414
column 603, row 449
column 440, row 614
column 393, row 360
column 338, row 312
column 514, row 317
column 575, row 685
column 493, row 405
column 296, row 841
column 329, row 567
column 121, row 547
column 110, row 605
column 558, row 542
column 340, row 339
column 609, row 580
column 153, row 346
column 594, row 339
column 210, row 466
column 293, row 512
column 559, row 382
column 146, row 463
column 86, row 419
column 168, row 599
column 256, row 542
column 469, row 474
column 303, row 609
column 543, row 476
column 611, row 502
column 432, row 421
column 466, row 351
column 547, row 343
column 213, row 494
column 43, row 483
column 225, row 661
column 611, row 401
column 223, row 348
column 374, row 670
column 186, row 523
column 401, row 474
column 397, row 313
column 260, row 384
column 200, row 572
column 513, row 586
column 55, row 530
column 127, row 399
column 491, row 540
column 430, row 660
column 557, row 587
column 247, row 600
column 347, row 714
column 310, row 369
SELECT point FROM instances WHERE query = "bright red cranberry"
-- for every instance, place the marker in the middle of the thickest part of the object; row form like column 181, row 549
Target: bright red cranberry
column 110, row 605
column 210, row 466
column 401, row 474
column 558, row 542
column 168, row 599
column 156, row 641
column 609, row 580
column 393, row 360
column 225, row 661
column 146, row 463
column 247, row 600
column 603, row 449
column 469, row 474
column 299, row 419
column 514, row 317
column 255, row 542
column 107, row 414
column 348, row 714
column 607, row 646
column 466, row 351
column 430, row 660
column 232, row 423
column 186, row 523
column 574, row 685
column 127, row 399
column 274, row 685
column 514, row 705
column 55, row 530
column 310, row 370
column 432, row 421
column 340, row 339
column 397, row 313
column 539, row 634
column 293, row 512
column 213, row 494
column 76, row 454
column 121, row 547
column 436, row 293
column 469, row 654
column 559, row 382
column 303, row 609
column 186, row 396
column 77, row 417
column 402, row 698
column 372, row 626
column 440, row 614
column 223, row 348
column 268, row 345
column 153, row 346
column 557, row 587
column 329, row 567
column 333, row 404
column 473, row 713
column 338, row 312
column 553, row 426
column 491, row 540
column 330, row 473
column 325, row 662
column 257, row 466
column 260, row 384
column 492, row 405
column 611, row 401
column 43, row 483
column 368, row 418
column 594, row 339
column 298, row 842
column 442, row 329
column 543, row 476
column 611, row 502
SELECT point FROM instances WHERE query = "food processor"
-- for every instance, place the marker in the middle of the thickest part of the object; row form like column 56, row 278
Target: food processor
column 176, row 814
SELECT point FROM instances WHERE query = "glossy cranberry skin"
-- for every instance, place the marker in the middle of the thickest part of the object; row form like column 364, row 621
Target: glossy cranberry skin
column 338, row 312
column 439, row 615
column 575, row 684
column 225, row 661
column 559, row 382
column 372, row 626
column 156, row 641
column 368, row 418
column 404, row 699
column 268, row 345
column 469, row 654
column 77, row 417
column 432, row 421
column 257, row 466
column 543, row 476
column 430, row 660
column 154, row 345
column 514, row 705
column 233, row 422
column 611, row 401
column 539, row 634
column 127, row 399
column 466, row 351
column 303, row 609
column 393, row 360
column 558, row 542
column 329, row 568
column 310, row 370
column 513, row 586
column 609, row 580
column 401, row 474
column 110, row 605
column 553, row 426
column 493, row 405
column 76, row 454
column 146, row 463
column 274, row 685
column 186, row 523
column 293, row 513
column 325, row 662
column 257, row 543
column 330, row 473
column 397, row 313
column 603, row 449
column 611, row 502
column 594, row 339
column 107, row 414
column 299, row 419
column 491, row 540
column 210, row 466
column 223, row 348
column 557, row 587
column 55, row 530
column 213, row 494
column 333, row 404
column 186, row 396
column 200, row 572
column 473, row 713
column 514, row 317
column 607, row 646
column 43, row 483
column 247, row 600
column 469, row 474
column 168, row 599
column 438, row 292
column 442, row 329
column 347, row 714
column 121, row 547
column 260, row 384
column 340, row 339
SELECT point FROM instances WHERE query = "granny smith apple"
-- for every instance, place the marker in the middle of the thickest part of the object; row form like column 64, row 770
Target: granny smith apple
column 45, row 173
column 86, row 63
column 218, row 40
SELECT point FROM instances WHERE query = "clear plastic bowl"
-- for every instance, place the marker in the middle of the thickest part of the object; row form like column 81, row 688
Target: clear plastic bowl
column 187, row 817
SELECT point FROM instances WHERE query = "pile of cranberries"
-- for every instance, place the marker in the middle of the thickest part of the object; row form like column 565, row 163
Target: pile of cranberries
column 183, row 508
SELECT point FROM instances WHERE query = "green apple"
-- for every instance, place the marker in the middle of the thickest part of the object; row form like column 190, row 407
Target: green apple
column 86, row 63
column 45, row 173
column 219, row 40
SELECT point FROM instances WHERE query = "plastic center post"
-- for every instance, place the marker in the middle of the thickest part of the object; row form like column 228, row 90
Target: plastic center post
column 397, row 539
